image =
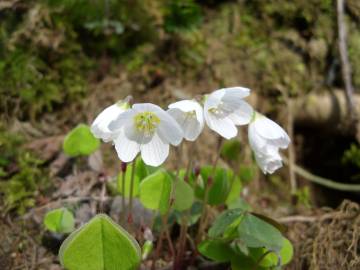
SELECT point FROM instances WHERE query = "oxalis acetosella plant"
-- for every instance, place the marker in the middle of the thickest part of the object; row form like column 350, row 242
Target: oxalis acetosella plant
column 190, row 196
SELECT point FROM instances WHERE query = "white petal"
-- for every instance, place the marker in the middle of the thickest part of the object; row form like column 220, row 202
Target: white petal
column 154, row 152
column 214, row 99
column 236, row 92
column 268, row 163
column 257, row 143
column 100, row 128
column 146, row 107
column 243, row 114
column 121, row 120
column 125, row 148
column 168, row 129
column 190, row 125
column 223, row 126
column 270, row 130
column 186, row 105
column 191, row 129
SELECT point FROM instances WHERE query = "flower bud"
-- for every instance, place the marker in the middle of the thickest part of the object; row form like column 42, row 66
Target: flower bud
column 197, row 171
column 210, row 181
column 123, row 167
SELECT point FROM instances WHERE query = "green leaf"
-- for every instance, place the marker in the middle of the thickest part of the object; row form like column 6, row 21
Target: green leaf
column 231, row 149
column 247, row 173
column 80, row 141
column 192, row 217
column 239, row 203
column 147, row 248
column 255, row 232
column 235, row 189
column 184, row 195
column 141, row 172
column 59, row 220
column 271, row 259
column 155, row 191
column 242, row 262
column 224, row 221
column 282, row 228
column 220, row 187
column 100, row 244
column 217, row 250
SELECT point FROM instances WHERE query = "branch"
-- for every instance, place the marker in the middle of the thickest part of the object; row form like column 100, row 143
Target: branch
column 323, row 181
column 345, row 64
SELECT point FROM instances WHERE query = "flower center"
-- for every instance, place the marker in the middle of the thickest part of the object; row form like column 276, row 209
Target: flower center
column 146, row 122
column 191, row 114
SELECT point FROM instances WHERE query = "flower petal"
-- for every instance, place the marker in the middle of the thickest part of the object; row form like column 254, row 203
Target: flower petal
column 223, row 126
column 121, row 120
column 190, row 125
column 154, row 152
column 268, row 163
column 168, row 129
column 99, row 127
column 243, row 114
column 270, row 130
column 125, row 148
column 237, row 92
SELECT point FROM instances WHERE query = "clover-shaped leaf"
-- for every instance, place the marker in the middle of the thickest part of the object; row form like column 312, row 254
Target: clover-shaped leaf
column 80, row 142
column 155, row 191
column 59, row 221
column 100, row 244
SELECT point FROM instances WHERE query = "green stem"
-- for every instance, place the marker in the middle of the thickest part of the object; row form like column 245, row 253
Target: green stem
column 123, row 208
column 133, row 168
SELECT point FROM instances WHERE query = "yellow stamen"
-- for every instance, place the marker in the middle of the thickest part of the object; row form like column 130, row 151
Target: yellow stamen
column 146, row 122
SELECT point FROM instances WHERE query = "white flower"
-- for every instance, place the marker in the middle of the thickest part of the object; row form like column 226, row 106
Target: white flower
column 148, row 129
column 100, row 126
column 266, row 137
column 189, row 115
column 269, row 162
column 224, row 109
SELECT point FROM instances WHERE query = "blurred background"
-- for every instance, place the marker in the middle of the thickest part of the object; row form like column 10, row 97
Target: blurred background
column 63, row 61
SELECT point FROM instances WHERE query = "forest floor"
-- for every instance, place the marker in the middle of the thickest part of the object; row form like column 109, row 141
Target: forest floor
column 275, row 49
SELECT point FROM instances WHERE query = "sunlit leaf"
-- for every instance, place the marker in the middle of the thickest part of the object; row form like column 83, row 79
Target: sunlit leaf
column 234, row 189
column 155, row 191
column 184, row 195
column 59, row 220
column 100, row 244
column 80, row 141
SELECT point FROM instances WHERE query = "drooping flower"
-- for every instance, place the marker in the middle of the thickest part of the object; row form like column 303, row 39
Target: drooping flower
column 266, row 138
column 189, row 115
column 224, row 109
column 100, row 126
column 148, row 129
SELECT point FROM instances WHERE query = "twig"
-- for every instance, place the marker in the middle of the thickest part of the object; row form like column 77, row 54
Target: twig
column 291, row 151
column 323, row 181
column 345, row 64
column 308, row 219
